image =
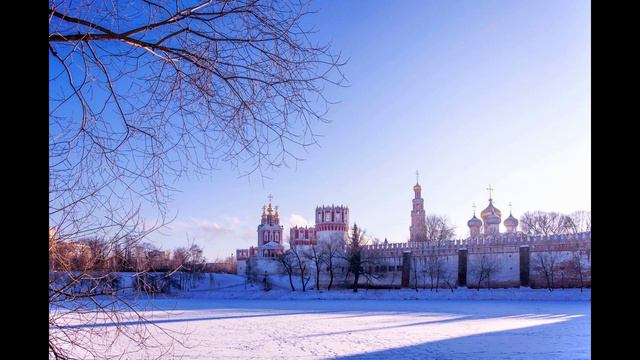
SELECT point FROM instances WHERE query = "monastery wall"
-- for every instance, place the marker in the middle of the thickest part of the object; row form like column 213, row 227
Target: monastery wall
column 506, row 260
column 496, row 262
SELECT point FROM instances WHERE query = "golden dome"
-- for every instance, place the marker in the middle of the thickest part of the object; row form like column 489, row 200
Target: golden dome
column 490, row 210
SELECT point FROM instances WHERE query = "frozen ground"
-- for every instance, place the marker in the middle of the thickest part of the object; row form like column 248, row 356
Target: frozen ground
column 368, row 325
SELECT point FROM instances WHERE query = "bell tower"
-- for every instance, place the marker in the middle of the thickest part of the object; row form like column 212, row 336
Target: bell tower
column 270, row 232
column 418, row 228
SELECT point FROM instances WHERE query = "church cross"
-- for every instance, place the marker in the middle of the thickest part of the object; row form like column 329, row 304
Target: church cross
column 270, row 197
column 417, row 173
column 490, row 190
column 474, row 209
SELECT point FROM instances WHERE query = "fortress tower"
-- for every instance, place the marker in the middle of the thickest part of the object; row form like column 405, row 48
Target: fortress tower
column 331, row 221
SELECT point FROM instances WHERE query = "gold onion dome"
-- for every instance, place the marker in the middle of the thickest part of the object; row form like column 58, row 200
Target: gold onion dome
column 490, row 210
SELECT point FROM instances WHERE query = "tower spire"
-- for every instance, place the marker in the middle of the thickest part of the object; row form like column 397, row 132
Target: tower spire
column 474, row 209
column 510, row 208
column 417, row 174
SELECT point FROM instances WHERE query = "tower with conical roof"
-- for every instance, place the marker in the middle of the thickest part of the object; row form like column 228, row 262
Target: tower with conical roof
column 418, row 228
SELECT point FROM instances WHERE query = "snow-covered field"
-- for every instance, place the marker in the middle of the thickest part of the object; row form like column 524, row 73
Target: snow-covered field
column 216, row 324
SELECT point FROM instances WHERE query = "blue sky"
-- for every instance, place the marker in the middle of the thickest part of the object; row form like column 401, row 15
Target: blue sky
column 469, row 93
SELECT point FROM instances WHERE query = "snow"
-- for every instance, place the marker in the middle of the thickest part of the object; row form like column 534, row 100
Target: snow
column 225, row 320
column 227, row 286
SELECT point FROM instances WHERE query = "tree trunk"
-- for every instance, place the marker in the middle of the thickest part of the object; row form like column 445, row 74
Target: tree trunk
column 580, row 276
column 355, row 281
column 330, row 277
column 291, row 282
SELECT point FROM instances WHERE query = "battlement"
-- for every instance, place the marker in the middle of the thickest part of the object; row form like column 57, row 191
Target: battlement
column 303, row 235
column 492, row 240
column 332, row 215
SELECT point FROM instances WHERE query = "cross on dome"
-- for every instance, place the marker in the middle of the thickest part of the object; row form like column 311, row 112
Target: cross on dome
column 270, row 209
column 490, row 190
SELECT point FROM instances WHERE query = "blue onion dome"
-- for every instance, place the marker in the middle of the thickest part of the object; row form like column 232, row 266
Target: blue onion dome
column 511, row 221
column 474, row 222
column 492, row 219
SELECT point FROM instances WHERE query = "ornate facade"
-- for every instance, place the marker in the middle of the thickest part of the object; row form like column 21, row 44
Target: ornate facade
column 269, row 237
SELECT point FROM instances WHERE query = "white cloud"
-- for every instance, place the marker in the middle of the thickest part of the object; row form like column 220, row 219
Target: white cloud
column 298, row 220
column 208, row 230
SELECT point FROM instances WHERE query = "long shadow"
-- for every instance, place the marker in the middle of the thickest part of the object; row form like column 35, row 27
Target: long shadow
column 396, row 326
column 561, row 340
column 363, row 314
column 347, row 308
column 166, row 321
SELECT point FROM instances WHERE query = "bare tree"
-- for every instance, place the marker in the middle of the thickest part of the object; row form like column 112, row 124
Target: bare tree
column 483, row 268
column 332, row 251
column 287, row 260
column 439, row 229
column 393, row 276
column 579, row 268
column 314, row 254
column 435, row 269
column 545, row 263
column 142, row 93
column 449, row 277
column 180, row 256
column 543, row 223
column 414, row 266
column 300, row 261
column 578, row 221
